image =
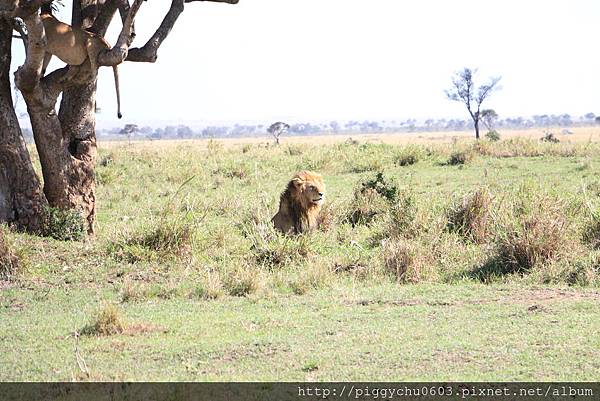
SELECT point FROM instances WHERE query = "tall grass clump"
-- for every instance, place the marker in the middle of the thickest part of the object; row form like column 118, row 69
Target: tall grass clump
column 591, row 232
column 171, row 233
column 157, row 238
column 243, row 281
column 10, row 264
column 408, row 155
column 471, row 217
column 535, row 237
column 401, row 218
column 406, row 261
column 106, row 321
column 271, row 249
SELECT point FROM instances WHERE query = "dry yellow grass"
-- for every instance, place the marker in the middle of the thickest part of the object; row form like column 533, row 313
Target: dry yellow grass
column 580, row 134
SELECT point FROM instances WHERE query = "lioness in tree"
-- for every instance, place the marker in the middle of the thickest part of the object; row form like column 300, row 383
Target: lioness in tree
column 73, row 46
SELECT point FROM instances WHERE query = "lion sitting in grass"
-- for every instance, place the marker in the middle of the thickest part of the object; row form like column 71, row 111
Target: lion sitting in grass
column 300, row 204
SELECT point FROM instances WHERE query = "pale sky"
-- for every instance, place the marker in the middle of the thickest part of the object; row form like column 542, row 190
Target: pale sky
column 320, row 60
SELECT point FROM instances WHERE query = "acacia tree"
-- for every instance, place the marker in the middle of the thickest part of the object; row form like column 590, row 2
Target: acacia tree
column 129, row 130
column 465, row 91
column 488, row 118
column 277, row 129
column 65, row 140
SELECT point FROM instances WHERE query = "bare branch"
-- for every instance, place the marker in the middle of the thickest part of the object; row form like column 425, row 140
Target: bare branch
column 485, row 90
column 149, row 52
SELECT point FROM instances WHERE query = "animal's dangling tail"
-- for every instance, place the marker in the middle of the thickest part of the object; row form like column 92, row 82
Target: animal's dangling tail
column 116, row 73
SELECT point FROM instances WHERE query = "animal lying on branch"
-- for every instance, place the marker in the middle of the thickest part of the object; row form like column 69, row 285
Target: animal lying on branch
column 74, row 46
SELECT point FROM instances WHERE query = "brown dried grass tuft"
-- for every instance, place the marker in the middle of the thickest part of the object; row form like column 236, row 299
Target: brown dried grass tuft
column 471, row 218
column 406, row 261
column 537, row 237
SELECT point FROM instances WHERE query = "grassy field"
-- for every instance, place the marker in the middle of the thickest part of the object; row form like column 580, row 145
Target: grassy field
column 435, row 261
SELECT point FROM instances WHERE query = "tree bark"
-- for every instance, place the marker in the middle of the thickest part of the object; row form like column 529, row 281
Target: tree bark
column 21, row 199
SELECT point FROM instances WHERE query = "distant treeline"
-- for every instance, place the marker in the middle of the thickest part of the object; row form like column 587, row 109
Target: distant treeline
column 335, row 127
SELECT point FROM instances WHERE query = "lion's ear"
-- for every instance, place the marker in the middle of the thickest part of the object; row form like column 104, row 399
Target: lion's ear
column 298, row 182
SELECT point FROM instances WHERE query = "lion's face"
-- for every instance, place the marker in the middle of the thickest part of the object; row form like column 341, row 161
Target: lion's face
column 310, row 188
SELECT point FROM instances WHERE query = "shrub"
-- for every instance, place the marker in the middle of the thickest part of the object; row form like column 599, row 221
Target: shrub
column 461, row 157
column 383, row 187
column 492, row 136
column 550, row 137
column 365, row 207
column 64, row 224
column 471, row 217
column 408, row 156
column 10, row 264
column 373, row 198
column 106, row 321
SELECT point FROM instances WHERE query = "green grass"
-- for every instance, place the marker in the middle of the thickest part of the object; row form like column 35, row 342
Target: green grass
column 434, row 332
column 185, row 259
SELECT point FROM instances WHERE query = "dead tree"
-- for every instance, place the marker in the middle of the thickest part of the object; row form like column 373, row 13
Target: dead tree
column 65, row 139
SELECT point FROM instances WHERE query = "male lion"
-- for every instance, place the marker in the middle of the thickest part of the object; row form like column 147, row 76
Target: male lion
column 300, row 204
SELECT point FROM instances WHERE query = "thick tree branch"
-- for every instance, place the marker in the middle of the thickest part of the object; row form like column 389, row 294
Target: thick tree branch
column 21, row 8
column 27, row 76
column 119, row 52
column 105, row 16
column 41, row 92
column 149, row 52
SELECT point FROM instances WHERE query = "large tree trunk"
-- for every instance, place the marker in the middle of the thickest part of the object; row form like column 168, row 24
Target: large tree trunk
column 78, row 122
column 66, row 142
column 21, row 199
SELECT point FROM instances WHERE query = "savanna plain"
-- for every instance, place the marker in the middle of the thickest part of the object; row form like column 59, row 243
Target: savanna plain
column 437, row 258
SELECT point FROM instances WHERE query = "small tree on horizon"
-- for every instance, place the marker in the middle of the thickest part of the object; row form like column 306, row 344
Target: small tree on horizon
column 129, row 130
column 277, row 129
column 465, row 91
column 488, row 119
